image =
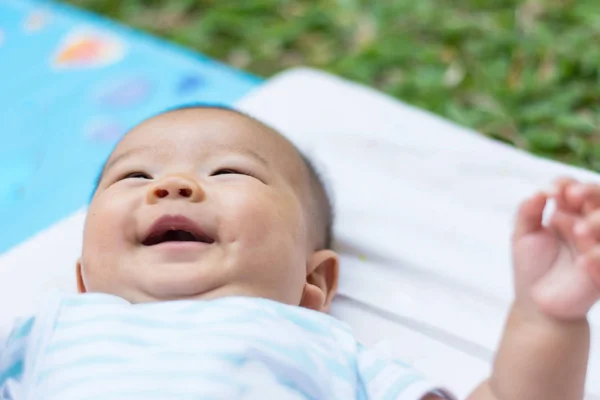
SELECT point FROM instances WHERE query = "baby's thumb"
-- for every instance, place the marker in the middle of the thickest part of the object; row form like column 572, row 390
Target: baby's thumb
column 530, row 215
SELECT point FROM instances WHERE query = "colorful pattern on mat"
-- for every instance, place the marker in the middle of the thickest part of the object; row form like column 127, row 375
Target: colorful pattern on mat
column 71, row 84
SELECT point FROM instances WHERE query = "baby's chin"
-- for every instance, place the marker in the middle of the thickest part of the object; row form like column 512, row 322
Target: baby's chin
column 150, row 280
column 153, row 280
column 172, row 291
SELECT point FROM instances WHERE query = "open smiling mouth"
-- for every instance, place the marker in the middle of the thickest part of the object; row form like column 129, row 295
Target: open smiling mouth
column 175, row 229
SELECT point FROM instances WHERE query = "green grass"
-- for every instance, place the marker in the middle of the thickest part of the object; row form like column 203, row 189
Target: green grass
column 524, row 72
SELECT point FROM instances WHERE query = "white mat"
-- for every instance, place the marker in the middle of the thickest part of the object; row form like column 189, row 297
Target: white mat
column 424, row 215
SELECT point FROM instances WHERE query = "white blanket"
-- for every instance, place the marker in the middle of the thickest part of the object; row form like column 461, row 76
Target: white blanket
column 424, row 214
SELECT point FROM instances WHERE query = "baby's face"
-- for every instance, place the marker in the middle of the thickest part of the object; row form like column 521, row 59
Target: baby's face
column 199, row 203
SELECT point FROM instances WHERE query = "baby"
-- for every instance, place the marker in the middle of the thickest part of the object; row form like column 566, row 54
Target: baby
column 207, row 273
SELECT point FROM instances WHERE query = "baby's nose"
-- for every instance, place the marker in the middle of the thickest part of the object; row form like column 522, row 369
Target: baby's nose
column 175, row 187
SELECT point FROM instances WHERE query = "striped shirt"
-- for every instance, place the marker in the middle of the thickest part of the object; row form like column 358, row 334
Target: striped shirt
column 99, row 346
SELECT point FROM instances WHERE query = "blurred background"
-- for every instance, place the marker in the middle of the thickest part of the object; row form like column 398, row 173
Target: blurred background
column 523, row 72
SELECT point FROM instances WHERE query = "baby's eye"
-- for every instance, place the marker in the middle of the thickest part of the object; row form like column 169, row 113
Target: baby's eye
column 227, row 171
column 137, row 175
column 235, row 171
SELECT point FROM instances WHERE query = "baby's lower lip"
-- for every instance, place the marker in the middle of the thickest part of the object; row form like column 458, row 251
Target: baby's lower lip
column 167, row 253
column 179, row 245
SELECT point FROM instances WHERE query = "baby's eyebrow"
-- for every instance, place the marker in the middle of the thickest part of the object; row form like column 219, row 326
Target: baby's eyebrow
column 243, row 150
column 253, row 154
column 124, row 155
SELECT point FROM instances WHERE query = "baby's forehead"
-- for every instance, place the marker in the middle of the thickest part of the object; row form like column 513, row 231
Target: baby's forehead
column 200, row 132
column 203, row 127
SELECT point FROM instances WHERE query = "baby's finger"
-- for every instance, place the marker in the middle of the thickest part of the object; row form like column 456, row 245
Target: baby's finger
column 563, row 224
column 584, row 197
column 584, row 236
column 558, row 193
column 590, row 224
column 529, row 215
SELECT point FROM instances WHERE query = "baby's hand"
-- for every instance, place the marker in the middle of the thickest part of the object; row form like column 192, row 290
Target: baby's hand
column 557, row 267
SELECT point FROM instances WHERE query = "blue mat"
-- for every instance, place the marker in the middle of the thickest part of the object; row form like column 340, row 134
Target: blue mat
column 71, row 84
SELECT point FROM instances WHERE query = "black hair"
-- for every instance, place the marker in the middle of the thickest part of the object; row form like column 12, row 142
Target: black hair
column 322, row 213
column 323, row 208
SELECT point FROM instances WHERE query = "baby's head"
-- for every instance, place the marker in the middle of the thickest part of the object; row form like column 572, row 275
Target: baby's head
column 205, row 202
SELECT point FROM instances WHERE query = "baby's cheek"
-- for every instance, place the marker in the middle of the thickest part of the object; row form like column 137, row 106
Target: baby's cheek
column 252, row 226
column 107, row 242
column 106, row 225
column 265, row 221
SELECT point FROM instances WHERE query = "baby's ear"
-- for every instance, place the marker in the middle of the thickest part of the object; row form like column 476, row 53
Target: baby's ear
column 80, row 285
column 321, row 280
